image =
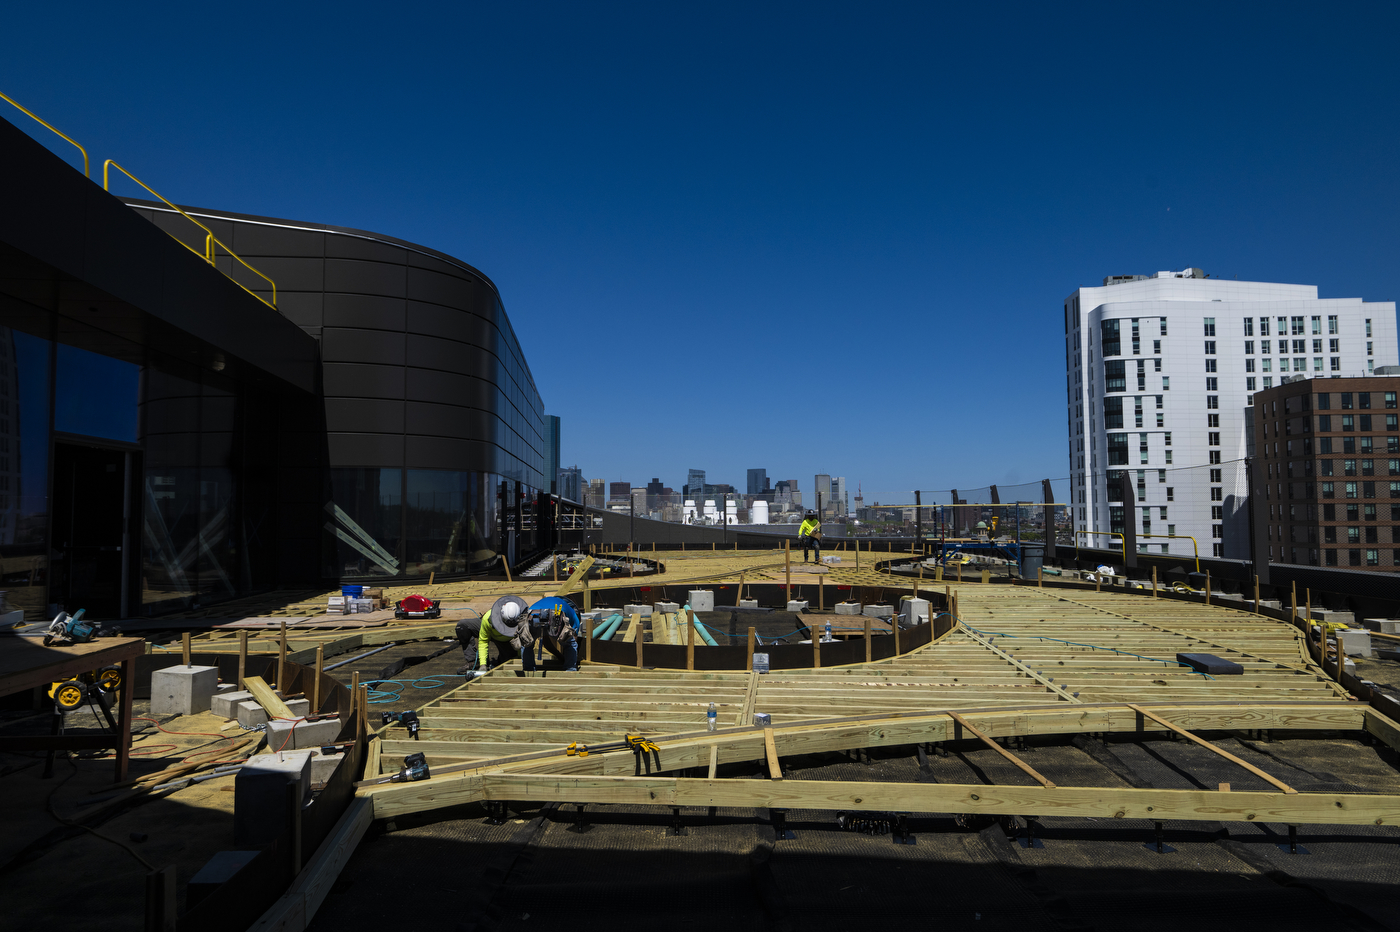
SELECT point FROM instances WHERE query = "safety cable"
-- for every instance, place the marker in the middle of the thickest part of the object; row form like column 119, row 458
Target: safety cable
column 380, row 696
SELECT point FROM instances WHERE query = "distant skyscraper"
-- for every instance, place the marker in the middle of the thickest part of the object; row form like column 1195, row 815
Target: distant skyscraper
column 823, row 490
column 571, row 484
column 619, row 491
column 839, row 502
column 551, row 451
column 695, row 483
column 758, row 481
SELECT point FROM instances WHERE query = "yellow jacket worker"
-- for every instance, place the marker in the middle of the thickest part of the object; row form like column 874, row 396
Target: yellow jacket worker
column 506, row 623
column 809, row 535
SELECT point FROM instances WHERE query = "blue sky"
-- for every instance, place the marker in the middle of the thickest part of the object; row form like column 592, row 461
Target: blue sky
column 807, row 237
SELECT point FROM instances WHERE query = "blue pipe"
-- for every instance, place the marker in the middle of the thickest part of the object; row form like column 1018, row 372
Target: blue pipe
column 700, row 628
column 610, row 626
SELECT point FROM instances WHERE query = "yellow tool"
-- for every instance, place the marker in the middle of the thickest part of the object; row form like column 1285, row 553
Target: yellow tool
column 68, row 695
column 576, row 750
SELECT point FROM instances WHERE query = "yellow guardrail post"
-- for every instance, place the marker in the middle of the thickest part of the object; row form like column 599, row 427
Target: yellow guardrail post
column 1194, row 546
column 210, row 240
column 48, row 126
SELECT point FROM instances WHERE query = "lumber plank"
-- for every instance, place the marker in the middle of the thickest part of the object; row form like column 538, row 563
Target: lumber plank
column 266, row 698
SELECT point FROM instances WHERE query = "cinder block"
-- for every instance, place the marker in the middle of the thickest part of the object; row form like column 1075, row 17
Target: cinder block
column 878, row 611
column 1326, row 614
column 796, row 606
column 1355, row 642
column 748, row 603
column 217, row 871
column 225, row 704
column 630, row 610
column 323, row 765
column 299, row 707
column 1383, row 625
column 913, row 611
column 702, row 600
column 260, row 794
column 668, row 607
column 292, row 736
column 848, row 608
column 183, row 690
column 250, row 714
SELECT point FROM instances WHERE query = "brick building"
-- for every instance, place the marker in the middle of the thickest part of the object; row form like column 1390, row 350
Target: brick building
column 1326, row 473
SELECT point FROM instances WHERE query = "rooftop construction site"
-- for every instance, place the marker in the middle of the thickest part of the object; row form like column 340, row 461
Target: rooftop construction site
column 300, row 631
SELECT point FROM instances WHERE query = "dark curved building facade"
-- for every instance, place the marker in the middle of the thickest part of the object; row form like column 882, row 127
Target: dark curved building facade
column 434, row 429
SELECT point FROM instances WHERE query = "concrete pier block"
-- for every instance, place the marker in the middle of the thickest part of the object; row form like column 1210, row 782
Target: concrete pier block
column 702, row 600
column 183, row 690
column 1326, row 614
column 668, row 607
column 748, row 603
column 913, row 612
column 225, row 704
column 217, row 871
column 878, row 611
column 293, row 736
column 1355, row 642
column 796, row 606
column 1383, row 625
column 250, row 714
column 848, row 608
column 629, row 610
column 260, row 794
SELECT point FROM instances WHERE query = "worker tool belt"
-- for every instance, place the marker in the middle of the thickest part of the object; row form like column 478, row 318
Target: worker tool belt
column 524, row 637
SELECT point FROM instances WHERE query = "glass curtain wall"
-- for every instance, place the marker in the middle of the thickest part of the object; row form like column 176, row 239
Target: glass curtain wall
column 25, row 363
column 410, row 523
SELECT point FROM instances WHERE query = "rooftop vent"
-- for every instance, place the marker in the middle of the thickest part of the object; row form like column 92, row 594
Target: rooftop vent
column 1120, row 279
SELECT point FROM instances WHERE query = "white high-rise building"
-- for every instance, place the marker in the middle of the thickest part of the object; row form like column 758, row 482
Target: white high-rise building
column 1160, row 372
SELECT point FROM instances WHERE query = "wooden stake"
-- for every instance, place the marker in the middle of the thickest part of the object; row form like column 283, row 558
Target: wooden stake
column 959, row 571
column 857, row 543
column 867, row 639
column 587, row 592
column 689, row 639
column 1293, row 604
column 787, row 567
column 588, row 644
column 1040, row 576
column 242, row 657
column 316, row 681
column 282, row 659
column 816, row 646
column 821, row 592
column 894, row 627
column 507, row 568
column 431, row 576
column 641, row 636
column 753, row 634
column 556, row 567
column 1154, row 582
column 1098, row 578
column 1308, row 593
column 1207, row 587
column 1256, row 595
column 740, row 597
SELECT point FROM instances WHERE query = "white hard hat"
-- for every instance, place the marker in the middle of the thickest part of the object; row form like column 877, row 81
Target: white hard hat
column 510, row 611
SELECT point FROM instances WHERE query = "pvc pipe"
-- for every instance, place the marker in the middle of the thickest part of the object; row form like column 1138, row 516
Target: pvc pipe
column 699, row 628
column 610, row 627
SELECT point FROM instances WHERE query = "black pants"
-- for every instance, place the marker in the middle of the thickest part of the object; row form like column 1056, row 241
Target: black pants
column 468, row 630
column 811, row 542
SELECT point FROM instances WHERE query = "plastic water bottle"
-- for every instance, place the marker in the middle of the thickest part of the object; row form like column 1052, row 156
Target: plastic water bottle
column 710, row 720
column 828, row 631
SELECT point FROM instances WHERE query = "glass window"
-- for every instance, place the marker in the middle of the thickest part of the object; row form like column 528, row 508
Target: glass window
column 1363, row 400
column 1390, row 399
column 95, row 395
column 1346, row 401
column 1324, row 402
column 1210, row 365
column 366, row 512
column 1317, row 325
column 1331, row 323
column 1324, row 467
column 1210, row 326
column 1351, row 488
column 24, row 468
column 1297, row 326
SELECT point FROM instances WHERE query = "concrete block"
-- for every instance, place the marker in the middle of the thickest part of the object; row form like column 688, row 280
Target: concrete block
column 299, row 707
column 911, row 611
column 1350, row 666
column 1355, row 642
column 292, row 736
column 250, row 714
column 879, row 611
column 702, row 600
column 1382, row 625
column 1326, row 614
column 323, row 765
column 183, row 690
column 668, row 607
column 796, row 606
column 225, row 704
column 260, row 794
column 217, row 871
column 629, row 610
column 748, row 603
column 831, row 560
column 848, row 608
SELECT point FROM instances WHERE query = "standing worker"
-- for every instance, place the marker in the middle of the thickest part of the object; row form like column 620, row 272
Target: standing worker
column 810, row 535
column 505, row 623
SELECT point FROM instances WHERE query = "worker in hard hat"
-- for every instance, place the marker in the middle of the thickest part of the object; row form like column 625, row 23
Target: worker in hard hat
column 557, row 626
column 506, row 624
column 809, row 535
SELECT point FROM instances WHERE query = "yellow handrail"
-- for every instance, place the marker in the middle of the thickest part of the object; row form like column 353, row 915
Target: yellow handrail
column 1194, row 546
column 46, row 125
column 210, row 240
column 1110, row 535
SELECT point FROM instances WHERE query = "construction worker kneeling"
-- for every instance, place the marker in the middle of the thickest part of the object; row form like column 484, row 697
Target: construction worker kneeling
column 506, row 625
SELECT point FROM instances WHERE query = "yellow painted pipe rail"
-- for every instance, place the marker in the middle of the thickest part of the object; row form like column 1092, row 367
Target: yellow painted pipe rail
column 51, row 128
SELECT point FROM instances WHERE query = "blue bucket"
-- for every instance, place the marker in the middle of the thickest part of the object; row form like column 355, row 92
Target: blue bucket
column 352, row 592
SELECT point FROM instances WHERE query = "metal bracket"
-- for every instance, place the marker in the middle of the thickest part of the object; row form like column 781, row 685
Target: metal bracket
column 580, row 821
column 495, row 812
column 1030, row 841
column 676, row 827
column 1157, row 844
column 901, row 833
column 780, row 830
column 1293, row 847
